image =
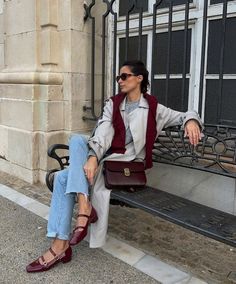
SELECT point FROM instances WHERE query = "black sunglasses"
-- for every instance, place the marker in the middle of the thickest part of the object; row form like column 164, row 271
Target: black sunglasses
column 124, row 76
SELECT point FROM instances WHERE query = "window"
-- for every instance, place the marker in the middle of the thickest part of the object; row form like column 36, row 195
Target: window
column 132, row 49
column 215, row 43
column 177, row 53
column 220, row 102
column 125, row 6
column 166, row 3
column 173, row 98
column 218, row 1
column 226, row 109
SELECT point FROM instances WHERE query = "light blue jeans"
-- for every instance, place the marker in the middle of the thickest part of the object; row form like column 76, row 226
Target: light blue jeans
column 67, row 183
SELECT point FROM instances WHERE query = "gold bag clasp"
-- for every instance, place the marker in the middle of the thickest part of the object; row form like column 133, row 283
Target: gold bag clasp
column 126, row 172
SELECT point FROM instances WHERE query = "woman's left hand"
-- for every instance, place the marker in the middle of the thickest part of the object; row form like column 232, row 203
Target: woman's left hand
column 192, row 131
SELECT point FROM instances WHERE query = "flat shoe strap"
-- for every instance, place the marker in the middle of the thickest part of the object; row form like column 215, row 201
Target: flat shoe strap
column 79, row 227
column 53, row 260
column 52, row 252
column 43, row 260
column 83, row 215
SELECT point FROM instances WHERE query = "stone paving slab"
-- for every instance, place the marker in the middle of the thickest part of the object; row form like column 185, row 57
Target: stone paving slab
column 155, row 268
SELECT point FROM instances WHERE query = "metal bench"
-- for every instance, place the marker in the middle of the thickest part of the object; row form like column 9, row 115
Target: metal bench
column 216, row 153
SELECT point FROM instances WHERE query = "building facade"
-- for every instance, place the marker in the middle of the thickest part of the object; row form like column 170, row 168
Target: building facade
column 44, row 81
column 58, row 60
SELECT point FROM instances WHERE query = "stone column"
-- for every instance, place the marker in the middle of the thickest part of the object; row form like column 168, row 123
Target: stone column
column 44, row 81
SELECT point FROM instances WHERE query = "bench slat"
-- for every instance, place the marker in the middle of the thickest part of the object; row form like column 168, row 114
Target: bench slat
column 191, row 215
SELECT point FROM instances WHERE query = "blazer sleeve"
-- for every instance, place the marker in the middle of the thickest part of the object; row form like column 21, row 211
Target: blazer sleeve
column 102, row 136
column 166, row 117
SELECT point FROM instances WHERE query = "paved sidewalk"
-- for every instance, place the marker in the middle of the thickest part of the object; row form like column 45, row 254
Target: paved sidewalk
column 154, row 267
column 23, row 239
column 190, row 252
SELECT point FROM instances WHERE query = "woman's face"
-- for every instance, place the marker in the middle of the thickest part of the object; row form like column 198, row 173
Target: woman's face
column 129, row 82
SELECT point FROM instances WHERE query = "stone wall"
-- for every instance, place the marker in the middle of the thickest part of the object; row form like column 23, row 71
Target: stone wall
column 44, row 81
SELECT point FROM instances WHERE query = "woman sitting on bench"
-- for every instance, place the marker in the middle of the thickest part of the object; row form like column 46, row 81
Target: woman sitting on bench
column 130, row 124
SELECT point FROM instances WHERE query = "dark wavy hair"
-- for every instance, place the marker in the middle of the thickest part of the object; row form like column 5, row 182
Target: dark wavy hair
column 137, row 67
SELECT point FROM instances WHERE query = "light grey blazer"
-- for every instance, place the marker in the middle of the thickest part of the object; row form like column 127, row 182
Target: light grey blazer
column 100, row 142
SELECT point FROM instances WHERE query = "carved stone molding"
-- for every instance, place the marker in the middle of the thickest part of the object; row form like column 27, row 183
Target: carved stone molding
column 48, row 13
column 49, row 37
column 45, row 78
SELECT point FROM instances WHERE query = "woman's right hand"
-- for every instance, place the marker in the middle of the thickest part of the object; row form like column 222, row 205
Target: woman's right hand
column 90, row 168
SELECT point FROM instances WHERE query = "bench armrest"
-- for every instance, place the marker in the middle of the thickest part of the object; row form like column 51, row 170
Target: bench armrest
column 62, row 160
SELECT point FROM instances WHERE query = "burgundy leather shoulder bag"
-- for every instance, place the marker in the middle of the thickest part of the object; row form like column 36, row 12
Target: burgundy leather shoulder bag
column 124, row 175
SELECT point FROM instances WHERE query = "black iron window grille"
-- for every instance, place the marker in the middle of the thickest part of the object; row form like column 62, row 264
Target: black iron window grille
column 187, row 45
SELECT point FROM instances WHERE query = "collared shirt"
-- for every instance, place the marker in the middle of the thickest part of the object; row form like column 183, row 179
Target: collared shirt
column 129, row 107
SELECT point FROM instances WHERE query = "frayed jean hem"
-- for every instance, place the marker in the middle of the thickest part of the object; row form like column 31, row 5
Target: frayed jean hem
column 58, row 236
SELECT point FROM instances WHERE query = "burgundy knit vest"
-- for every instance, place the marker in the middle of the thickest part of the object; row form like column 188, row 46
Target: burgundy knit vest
column 118, row 142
